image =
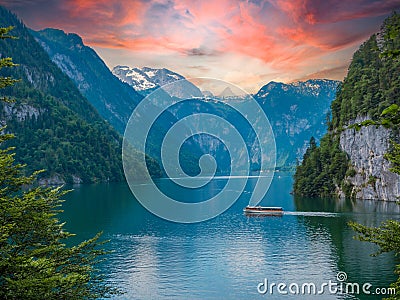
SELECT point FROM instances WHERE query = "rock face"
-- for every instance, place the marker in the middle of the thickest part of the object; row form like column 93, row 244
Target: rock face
column 296, row 111
column 113, row 99
column 20, row 112
column 366, row 149
column 54, row 180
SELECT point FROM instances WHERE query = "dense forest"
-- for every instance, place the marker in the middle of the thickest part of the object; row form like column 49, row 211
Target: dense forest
column 372, row 83
column 371, row 91
column 56, row 128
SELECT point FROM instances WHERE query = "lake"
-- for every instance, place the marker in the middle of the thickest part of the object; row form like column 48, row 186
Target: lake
column 232, row 256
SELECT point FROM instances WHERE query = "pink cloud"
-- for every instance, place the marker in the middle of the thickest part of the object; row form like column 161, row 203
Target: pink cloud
column 285, row 34
column 331, row 11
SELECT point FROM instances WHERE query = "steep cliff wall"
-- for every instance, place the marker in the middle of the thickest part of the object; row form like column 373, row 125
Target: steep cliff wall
column 366, row 149
column 350, row 160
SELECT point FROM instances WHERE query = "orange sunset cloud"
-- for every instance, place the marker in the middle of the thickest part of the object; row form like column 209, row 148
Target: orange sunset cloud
column 247, row 42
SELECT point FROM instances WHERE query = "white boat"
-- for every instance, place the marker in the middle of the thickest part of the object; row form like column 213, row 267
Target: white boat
column 263, row 210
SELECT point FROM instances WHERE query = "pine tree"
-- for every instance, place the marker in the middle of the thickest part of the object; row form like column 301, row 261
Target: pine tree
column 387, row 235
column 6, row 62
column 34, row 261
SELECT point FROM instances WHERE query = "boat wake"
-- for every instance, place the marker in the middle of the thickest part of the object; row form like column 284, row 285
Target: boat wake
column 312, row 214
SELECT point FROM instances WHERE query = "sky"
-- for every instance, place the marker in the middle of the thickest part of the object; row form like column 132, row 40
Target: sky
column 247, row 43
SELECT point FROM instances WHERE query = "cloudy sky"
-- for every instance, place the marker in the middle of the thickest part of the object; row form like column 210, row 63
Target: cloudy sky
column 248, row 43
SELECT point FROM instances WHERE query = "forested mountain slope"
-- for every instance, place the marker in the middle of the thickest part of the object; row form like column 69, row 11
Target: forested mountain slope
column 56, row 128
column 351, row 160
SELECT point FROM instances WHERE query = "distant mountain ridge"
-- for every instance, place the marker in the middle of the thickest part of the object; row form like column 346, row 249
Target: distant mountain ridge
column 145, row 80
column 310, row 88
column 296, row 112
column 227, row 93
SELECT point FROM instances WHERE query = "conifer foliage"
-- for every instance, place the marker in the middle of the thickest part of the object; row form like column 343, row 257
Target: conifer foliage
column 34, row 261
column 371, row 89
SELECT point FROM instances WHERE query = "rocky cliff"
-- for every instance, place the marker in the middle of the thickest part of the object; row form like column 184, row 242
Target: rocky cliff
column 350, row 161
column 366, row 148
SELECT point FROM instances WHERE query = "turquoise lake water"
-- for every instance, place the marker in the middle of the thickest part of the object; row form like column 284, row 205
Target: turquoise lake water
column 229, row 256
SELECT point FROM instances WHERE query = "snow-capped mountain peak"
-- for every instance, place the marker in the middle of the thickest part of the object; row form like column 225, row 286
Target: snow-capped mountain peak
column 145, row 80
column 311, row 87
column 135, row 77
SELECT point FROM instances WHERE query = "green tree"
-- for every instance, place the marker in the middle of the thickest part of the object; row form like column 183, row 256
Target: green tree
column 394, row 157
column 6, row 62
column 322, row 170
column 34, row 261
column 387, row 237
column 391, row 119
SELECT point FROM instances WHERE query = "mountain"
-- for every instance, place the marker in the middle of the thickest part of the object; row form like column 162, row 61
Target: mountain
column 296, row 112
column 227, row 93
column 208, row 94
column 56, row 128
column 135, row 77
column 293, row 109
column 351, row 159
column 113, row 99
column 145, row 80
